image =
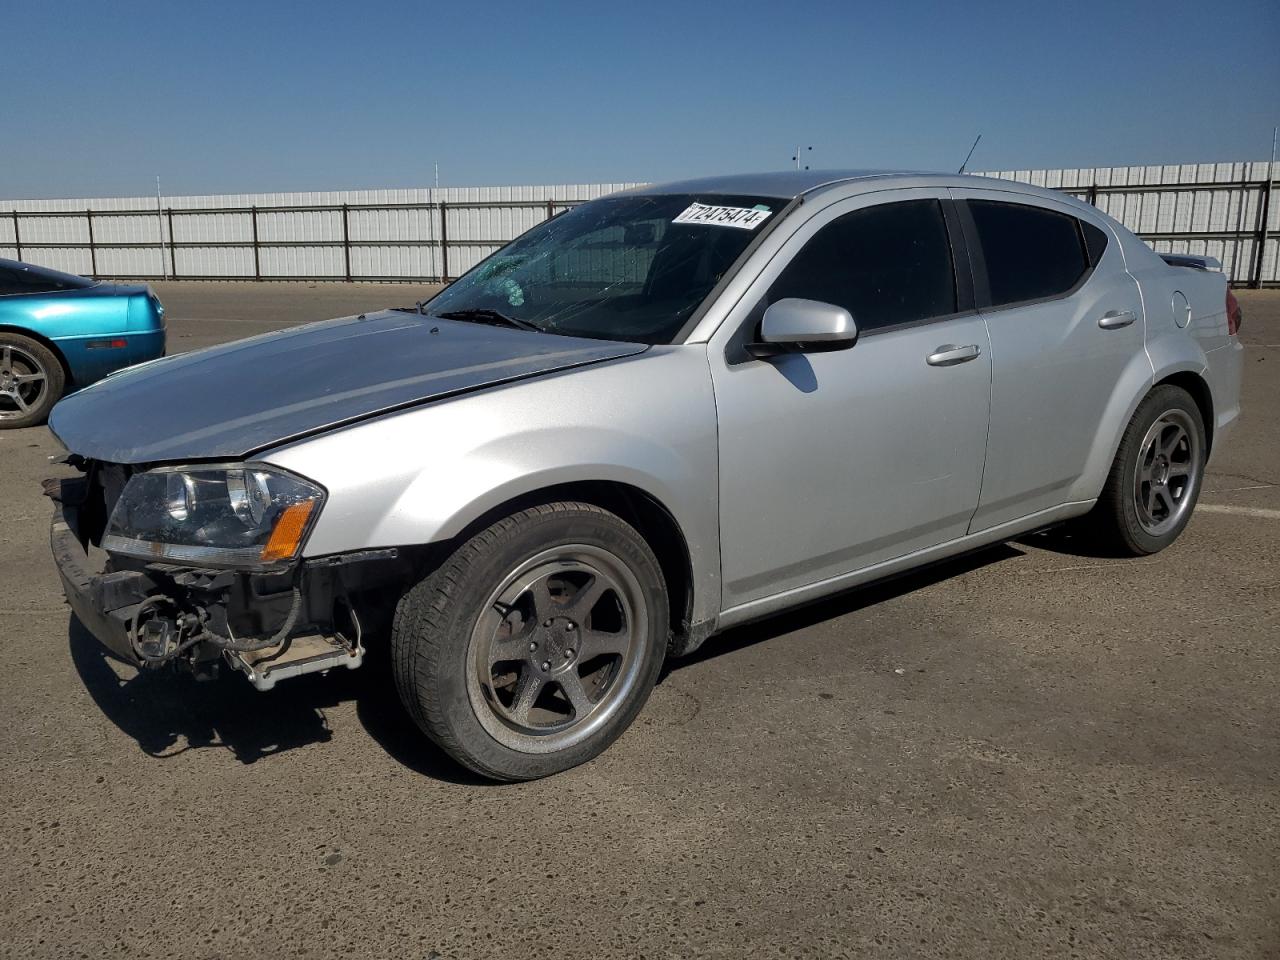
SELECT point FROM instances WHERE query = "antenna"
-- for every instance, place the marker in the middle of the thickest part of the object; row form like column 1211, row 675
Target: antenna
column 969, row 154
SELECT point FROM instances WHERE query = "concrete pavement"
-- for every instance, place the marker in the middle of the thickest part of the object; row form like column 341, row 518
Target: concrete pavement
column 1028, row 753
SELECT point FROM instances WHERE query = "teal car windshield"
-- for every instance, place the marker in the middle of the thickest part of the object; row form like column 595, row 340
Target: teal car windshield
column 623, row 268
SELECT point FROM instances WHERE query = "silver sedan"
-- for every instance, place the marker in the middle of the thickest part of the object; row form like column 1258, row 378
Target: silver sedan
column 656, row 416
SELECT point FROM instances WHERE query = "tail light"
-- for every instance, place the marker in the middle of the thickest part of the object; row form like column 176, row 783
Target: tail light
column 1235, row 316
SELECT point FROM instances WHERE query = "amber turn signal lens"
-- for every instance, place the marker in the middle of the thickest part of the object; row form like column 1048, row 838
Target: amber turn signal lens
column 287, row 535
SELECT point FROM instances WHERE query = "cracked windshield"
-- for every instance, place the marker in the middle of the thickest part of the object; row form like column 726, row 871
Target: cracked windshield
column 626, row 268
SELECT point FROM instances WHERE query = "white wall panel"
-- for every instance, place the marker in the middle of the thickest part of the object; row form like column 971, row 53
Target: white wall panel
column 214, row 262
column 212, row 235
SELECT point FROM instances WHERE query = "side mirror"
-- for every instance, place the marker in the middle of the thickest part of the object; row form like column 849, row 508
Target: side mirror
column 794, row 325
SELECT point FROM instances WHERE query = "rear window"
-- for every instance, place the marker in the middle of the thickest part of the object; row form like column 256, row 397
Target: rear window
column 16, row 278
column 1031, row 253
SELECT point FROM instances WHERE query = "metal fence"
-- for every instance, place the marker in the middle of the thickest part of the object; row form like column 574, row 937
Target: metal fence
column 1223, row 210
column 260, row 239
column 375, row 235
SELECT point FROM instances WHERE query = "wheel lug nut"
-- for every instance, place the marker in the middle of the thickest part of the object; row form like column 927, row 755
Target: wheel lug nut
column 546, row 623
column 571, row 625
column 546, row 664
column 568, row 654
column 533, row 646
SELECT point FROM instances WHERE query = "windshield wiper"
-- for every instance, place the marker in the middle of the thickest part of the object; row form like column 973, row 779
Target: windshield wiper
column 480, row 315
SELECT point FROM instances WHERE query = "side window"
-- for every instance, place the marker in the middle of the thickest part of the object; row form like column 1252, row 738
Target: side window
column 1095, row 241
column 1032, row 253
column 886, row 264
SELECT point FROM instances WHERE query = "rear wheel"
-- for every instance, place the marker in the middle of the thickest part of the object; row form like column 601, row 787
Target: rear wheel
column 534, row 646
column 31, row 381
column 1156, row 476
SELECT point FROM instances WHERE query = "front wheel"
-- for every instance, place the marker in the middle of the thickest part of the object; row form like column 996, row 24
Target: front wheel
column 536, row 643
column 1155, row 479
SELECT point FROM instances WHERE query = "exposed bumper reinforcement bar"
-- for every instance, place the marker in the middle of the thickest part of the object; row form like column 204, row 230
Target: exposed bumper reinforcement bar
column 309, row 654
column 110, row 606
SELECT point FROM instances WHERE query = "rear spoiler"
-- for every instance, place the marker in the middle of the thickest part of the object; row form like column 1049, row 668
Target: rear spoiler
column 1194, row 261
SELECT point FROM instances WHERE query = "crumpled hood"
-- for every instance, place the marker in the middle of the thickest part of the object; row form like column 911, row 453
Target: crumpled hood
column 232, row 400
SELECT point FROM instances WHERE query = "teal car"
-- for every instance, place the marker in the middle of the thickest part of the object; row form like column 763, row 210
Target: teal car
column 59, row 332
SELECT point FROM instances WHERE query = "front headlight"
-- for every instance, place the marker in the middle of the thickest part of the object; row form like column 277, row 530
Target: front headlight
column 241, row 515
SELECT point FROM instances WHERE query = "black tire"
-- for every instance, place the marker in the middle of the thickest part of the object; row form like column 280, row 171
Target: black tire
column 441, row 624
column 1118, row 521
column 23, row 357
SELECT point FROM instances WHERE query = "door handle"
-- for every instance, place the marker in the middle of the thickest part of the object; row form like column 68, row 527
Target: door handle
column 948, row 355
column 1115, row 319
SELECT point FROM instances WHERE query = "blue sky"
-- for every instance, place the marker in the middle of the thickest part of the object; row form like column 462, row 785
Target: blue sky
column 218, row 97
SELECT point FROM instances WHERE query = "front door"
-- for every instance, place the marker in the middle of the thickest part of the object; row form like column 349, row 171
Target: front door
column 832, row 462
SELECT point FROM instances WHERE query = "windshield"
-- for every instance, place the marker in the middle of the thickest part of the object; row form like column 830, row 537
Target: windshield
column 622, row 268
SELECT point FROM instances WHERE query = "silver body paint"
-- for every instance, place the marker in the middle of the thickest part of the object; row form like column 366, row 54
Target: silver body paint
column 232, row 400
column 790, row 477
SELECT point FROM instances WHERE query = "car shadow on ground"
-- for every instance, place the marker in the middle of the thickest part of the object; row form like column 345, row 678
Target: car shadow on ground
column 841, row 604
column 169, row 714
column 1070, row 541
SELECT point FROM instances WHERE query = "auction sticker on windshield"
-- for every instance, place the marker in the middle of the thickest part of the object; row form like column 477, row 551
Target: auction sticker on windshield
column 744, row 218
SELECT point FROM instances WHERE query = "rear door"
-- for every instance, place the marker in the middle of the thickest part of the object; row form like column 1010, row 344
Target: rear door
column 1065, row 320
column 833, row 462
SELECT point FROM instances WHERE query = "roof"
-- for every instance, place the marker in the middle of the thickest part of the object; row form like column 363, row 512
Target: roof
column 789, row 184
column 783, row 184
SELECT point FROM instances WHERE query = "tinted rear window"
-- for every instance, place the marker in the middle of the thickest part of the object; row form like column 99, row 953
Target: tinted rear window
column 18, row 277
column 1031, row 253
column 886, row 264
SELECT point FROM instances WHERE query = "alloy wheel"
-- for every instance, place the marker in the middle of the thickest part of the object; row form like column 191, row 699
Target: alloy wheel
column 1168, row 472
column 23, row 383
column 556, row 648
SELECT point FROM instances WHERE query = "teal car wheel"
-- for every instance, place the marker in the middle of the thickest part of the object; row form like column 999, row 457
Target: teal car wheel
column 31, row 381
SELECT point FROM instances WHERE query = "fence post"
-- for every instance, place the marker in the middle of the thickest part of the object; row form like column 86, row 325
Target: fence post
column 1093, row 194
column 17, row 240
column 444, row 242
column 257, row 264
column 93, row 253
column 1236, row 276
column 346, row 240
column 1263, row 220
column 551, row 209
column 173, row 257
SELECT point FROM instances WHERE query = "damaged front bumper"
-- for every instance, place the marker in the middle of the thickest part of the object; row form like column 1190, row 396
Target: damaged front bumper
column 269, row 626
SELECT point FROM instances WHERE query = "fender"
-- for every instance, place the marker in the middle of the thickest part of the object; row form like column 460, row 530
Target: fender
column 501, row 475
column 1164, row 357
column 1176, row 354
column 1134, row 383
column 423, row 475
